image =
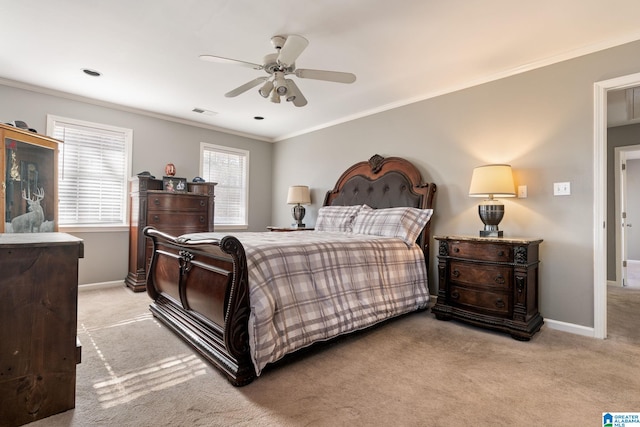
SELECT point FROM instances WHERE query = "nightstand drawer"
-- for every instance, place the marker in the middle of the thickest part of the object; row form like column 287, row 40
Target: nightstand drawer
column 481, row 275
column 478, row 300
column 485, row 252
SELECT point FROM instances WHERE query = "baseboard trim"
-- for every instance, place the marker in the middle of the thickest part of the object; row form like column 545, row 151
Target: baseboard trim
column 92, row 286
column 570, row 327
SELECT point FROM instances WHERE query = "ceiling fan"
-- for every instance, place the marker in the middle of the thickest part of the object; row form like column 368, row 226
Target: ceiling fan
column 279, row 65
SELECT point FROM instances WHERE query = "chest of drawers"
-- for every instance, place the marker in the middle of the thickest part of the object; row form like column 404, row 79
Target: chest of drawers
column 39, row 322
column 489, row 282
column 173, row 213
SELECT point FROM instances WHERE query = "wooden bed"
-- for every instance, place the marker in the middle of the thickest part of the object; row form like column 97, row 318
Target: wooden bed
column 200, row 288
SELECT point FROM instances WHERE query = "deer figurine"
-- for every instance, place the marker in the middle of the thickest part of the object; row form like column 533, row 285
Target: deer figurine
column 30, row 222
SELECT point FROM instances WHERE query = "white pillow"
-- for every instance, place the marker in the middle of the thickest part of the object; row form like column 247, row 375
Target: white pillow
column 403, row 223
column 336, row 218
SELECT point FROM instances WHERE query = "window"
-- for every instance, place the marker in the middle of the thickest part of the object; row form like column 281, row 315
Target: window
column 93, row 171
column 229, row 167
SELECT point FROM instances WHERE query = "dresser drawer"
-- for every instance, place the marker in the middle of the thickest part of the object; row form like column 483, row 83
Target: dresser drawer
column 176, row 202
column 481, row 275
column 485, row 252
column 478, row 300
column 165, row 221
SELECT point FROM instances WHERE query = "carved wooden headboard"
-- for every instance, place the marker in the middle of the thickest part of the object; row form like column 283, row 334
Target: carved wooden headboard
column 385, row 183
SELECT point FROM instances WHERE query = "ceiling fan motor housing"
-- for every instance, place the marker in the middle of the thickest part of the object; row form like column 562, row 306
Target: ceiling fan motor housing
column 271, row 64
column 278, row 41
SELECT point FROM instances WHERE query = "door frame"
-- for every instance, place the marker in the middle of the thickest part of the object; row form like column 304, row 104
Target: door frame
column 600, row 90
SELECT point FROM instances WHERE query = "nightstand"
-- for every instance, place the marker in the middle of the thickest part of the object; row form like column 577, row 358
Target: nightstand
column 489, row 282
column 271, row 228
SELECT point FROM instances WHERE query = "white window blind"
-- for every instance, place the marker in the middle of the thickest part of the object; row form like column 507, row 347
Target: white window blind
column 229, row 167
column 93, row 168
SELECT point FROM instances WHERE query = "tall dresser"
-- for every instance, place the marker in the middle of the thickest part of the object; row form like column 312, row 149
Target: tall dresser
column 172, row 212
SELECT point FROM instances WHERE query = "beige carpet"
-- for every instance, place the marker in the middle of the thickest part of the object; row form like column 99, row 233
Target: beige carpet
column 414, row 371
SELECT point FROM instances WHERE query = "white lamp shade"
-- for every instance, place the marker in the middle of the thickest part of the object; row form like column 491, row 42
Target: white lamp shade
column 298, row 194
column 492, row 181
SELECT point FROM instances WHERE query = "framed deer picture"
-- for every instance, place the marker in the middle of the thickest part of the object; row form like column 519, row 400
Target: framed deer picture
column 29, row 167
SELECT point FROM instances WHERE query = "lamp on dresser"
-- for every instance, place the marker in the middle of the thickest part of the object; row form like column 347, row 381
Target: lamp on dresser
column 491, row 181
column 298, row 195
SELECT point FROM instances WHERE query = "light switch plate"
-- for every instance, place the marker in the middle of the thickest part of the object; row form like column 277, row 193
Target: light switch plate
column 522, row 191
column 561, row 188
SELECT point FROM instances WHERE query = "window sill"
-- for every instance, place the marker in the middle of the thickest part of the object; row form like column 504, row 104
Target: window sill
column 221, row 227
column 92, row 228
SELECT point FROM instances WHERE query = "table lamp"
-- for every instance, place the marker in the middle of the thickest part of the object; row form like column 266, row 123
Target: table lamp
column 491, row 181
column 298, row 196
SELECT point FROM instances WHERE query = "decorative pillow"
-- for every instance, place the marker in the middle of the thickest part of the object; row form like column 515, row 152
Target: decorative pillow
column 404, row 223
column 336, row 218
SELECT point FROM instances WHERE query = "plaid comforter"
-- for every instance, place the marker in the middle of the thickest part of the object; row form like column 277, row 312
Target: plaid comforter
column 309, row 286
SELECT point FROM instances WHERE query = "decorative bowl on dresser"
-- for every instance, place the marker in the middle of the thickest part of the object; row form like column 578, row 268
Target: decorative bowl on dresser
column 172, row 212
column 489, row 282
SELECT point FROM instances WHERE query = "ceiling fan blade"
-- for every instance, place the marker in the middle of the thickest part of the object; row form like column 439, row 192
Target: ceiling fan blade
column 296, row 96
column 221, row 60
column 330, row 76
column 292, row 48
column 245, row 87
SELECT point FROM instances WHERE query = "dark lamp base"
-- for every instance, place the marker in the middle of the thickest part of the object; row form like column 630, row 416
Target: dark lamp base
column 298, row 212
column 496, row 233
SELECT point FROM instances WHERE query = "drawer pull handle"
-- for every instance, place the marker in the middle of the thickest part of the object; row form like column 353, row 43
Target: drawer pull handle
column 500, row 279
column 202, row 221
column 156, row 202
column 156, row 218
column 499, row 303
column 455, row 273
column 456, row 250
column 501, row 253
column 202, row 203
column 455, row 295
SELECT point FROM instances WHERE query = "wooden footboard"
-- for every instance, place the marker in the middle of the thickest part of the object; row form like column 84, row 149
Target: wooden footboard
column 200, row 291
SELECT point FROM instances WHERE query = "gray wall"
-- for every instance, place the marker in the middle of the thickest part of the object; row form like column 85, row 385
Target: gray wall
column 541, row 122
column 156, row 142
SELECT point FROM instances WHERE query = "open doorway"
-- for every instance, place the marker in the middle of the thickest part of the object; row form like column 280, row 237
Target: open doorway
column 627, row 210
column 601, row 222
column 623, row 294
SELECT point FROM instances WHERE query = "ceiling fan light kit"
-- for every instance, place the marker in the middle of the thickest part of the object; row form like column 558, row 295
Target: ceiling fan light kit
column 278, row 66
column 266, row 89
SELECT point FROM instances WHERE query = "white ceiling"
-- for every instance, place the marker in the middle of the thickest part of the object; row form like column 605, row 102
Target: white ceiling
column 402, row 51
